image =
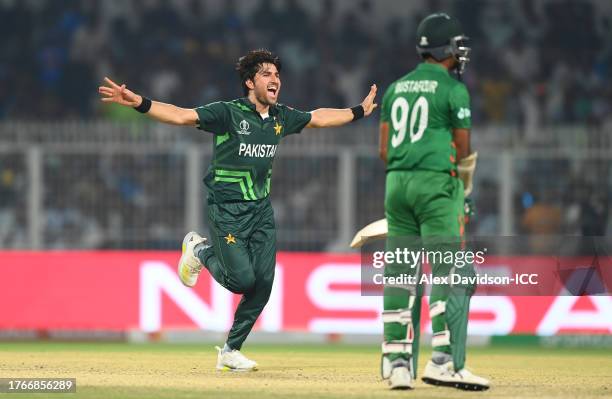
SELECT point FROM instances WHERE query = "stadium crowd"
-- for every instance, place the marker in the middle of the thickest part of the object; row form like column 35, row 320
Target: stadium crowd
column 528, row 69
column 551, row 55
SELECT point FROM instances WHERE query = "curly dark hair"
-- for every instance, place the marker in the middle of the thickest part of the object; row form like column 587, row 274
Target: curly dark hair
column 248, row 65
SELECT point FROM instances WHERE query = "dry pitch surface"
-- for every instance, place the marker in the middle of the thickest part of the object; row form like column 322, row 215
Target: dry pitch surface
column 325, row 371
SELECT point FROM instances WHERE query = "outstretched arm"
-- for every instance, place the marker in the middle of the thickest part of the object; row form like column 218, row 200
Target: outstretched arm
column 167, row 113
column 330, row 117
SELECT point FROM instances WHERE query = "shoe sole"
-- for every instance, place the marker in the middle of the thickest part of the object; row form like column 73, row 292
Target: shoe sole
column 465, row 386
column 178, row 270
column 401, row 387
column 183, row 249
column 231, row 370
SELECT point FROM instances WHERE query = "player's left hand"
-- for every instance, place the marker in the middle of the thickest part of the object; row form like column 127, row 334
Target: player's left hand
column 368, row 102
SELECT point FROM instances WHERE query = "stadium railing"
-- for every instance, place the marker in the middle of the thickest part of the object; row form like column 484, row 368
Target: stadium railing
column 103, row 185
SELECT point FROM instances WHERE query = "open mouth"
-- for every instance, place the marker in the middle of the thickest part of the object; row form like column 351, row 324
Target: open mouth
column 272, row 90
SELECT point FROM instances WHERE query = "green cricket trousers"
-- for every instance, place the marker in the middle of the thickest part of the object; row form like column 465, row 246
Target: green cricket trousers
column 242, row 258
column 424, row 210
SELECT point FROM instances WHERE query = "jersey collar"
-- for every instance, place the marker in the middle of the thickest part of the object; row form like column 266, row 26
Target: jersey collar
column 245, row 100
column 428, row 66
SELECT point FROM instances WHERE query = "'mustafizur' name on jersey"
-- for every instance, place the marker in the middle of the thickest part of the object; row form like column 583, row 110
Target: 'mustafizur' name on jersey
column 416, row 86
column 257, row 150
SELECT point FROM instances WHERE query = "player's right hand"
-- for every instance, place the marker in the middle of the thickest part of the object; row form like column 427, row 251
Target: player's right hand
column 113, row 93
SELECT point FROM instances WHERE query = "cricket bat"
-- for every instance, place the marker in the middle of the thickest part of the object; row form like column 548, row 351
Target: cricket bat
column 372, row 231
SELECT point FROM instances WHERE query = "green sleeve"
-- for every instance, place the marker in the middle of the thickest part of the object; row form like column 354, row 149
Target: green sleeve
column 459, row 101
column 213, row 117
column 294, row 120
column 385, row 109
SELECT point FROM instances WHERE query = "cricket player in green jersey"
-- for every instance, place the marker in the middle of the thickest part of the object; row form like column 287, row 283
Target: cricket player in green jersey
column 241, row 254
column 425, row 142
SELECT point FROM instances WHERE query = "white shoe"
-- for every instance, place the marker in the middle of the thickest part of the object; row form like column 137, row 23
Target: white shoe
column 189, row 265
column 234, row 361
column 400, row 377
column 445, row 375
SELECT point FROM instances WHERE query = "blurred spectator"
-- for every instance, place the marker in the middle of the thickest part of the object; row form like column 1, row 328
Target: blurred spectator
column 543, row 218
column 594, row 212
column 535, row 64
column 546, row 53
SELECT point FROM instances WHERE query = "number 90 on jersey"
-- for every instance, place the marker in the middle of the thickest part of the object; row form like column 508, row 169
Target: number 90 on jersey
column 401, row 114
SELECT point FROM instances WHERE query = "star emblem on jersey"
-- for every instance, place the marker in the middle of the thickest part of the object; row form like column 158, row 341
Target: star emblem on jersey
column 230, row 239
column 277, row 128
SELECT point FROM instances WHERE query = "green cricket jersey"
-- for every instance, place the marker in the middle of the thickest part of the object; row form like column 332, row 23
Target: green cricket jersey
column 421, row 109
column 245, row 146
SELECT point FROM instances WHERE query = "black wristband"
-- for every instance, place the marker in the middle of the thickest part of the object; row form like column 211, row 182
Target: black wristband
column 357, row 112
column 144, row 106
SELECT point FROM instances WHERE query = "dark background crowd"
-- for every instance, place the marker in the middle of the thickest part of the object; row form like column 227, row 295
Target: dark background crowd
column 553, row 56
column 539, row 69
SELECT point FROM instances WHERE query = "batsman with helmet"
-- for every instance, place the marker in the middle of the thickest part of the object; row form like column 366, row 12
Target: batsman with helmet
column 425, row 143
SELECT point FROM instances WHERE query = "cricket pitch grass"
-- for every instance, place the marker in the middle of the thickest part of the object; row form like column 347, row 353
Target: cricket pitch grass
column 105, row 370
